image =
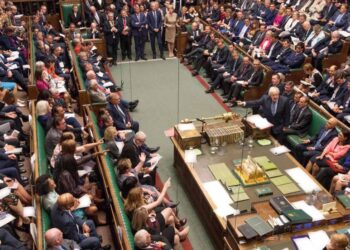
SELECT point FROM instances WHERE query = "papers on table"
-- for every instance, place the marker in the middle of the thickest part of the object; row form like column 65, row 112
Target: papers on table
column 29, row 212
column 226, row 210
column 26, row 66
column 279, row 150
column 100, row 74
column 14, row 151
column 84, row 201
column 312, row 211
column 190, row 156
column 319, row 239
column 13, row 67
column 217, row 193
column 304, row 181
column 240, row 82
column 186, row 126
column 303, row 243
column 8, row 218
column 4, row 192
column 347, row 118
column 260, row 122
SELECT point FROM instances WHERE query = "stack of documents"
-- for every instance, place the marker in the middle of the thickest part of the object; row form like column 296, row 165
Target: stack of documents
column 222, row 173
column 312, row 211
column 284, row 184
column 304, row 181
column 314, row 240
column 259, row 122
column 265, row 163
column 280, row 150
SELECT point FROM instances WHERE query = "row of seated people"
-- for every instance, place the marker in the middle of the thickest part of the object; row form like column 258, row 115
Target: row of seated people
column 260, row 37
column 14, row 138
column 131, row 159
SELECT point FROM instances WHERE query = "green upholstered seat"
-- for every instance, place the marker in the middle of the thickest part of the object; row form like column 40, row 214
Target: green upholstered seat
column 115, row 188
column 79, row 72
column 318, row 121
column 43, row 169
column 66, row 10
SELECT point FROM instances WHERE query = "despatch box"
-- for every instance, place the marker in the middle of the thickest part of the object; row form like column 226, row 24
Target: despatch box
column 187, row 138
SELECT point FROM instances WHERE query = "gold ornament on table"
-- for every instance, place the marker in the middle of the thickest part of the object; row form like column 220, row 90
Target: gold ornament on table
column 250, row 172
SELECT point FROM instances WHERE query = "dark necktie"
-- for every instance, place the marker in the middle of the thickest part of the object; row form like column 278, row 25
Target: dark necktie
column 273, row 108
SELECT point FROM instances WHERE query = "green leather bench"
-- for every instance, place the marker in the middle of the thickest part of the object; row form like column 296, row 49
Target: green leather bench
column 66, row 9
column 43, row 169
column 318, row 121
column 115, row 188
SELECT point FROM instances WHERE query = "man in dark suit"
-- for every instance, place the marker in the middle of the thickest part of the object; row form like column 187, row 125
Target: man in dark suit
column 120, row 114
column 10, row 242
column 124, row 26
column 293, row 60
column 229, row 68
column 139, row 31
column 340, row 89
column 75, row 16
column 328, row 46
column 93, row 32
column 274, row 108
column 273, row 50
column 193, row 37
column 203, row 55
column 199, row 47
column 315, row 145
column 339, row 20
column 111, row 32
column 342, row 107
column 218, row 59
column 55, row 241
column 300, row 120
column 95, row 16
column 155, row 24
column 256, row 77
column 72, row 226
column 283, row 53
column 326, row 14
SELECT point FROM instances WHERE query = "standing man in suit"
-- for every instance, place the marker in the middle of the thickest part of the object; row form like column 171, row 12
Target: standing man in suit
column 274, row 108
column 55, row 241
column 72, row 226
column 124, row 26
column 315, row 145
column 120, row 114
column 110, row 29
column 155, row 24
column 96, row 17
column 139, row 31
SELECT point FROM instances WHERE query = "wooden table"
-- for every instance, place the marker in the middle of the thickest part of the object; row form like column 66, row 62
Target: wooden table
column 223, row 232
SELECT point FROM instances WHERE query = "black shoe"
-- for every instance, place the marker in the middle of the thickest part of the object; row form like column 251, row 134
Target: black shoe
column 173, row 205
column 136, row 102
column 25, row 118
column 144, row 58
column 117, row 89
column 107, row 247
column 132, row 107
column 123, row 58
column 136, row 59
column 20, row 164
column 154, row 56
column 194, row 73
column 129, row 57
column 153, row 150
column 231, row 105
column 223, row 94
column 226, row 101
column 209, row 81
column 208, row 91
column 162, row 56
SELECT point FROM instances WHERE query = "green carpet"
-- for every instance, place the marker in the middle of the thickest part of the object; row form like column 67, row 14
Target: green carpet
column 167, row 94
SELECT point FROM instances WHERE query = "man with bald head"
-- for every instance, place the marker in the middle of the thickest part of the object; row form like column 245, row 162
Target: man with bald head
column 55, row 241
column 121, row 117
column 315, row 145
column 73, row 227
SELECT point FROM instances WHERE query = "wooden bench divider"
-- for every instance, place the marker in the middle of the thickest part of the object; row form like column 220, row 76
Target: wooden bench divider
column 126, row 240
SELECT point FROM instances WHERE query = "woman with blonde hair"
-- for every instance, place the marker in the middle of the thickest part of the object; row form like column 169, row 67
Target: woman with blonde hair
column 43, row 112
column 114, row 142
column 135, row 200
column 170, row 20
column 155, row 224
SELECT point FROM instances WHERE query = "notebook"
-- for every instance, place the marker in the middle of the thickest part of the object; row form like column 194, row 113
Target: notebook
column 259, row 225
column 288, row 188
column 281, row 180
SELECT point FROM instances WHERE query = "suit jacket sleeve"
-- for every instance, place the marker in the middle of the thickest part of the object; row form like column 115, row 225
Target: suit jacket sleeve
column 305, row 121
column 255, row 103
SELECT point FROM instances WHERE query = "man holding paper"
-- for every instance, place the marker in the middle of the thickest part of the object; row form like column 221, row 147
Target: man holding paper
column 274, row 108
